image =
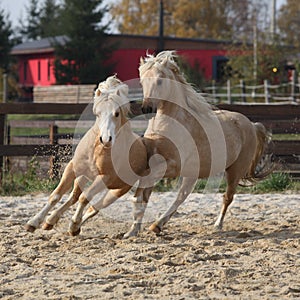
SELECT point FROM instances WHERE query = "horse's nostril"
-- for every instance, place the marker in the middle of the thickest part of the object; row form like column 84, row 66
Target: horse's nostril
column 110, row 139
column 101, row 140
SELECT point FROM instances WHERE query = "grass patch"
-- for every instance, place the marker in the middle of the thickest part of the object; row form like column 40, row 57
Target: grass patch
column 286, row 137
column 19, row 184
column 276, row 182
column 34, row 117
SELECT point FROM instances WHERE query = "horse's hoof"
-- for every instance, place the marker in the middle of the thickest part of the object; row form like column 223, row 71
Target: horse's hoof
column 130, row 234
column 217, row 227
column 47, row 226
column 74, row 233
column 155, row 228
column 29, row 228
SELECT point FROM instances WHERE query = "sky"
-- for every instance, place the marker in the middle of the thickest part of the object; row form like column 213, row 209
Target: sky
column 16, row 8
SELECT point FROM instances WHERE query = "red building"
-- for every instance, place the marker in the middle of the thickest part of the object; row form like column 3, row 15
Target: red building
column 35, row 59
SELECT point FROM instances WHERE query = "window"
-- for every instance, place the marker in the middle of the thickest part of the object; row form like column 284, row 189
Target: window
column 220, row 68
column 48, row 70
column 25, row 70
column 39, row 70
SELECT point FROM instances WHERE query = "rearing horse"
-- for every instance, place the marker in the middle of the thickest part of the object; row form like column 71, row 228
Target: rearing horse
column 188, row 138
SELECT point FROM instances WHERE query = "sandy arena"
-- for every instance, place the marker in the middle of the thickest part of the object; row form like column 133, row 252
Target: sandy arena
column 256, row 256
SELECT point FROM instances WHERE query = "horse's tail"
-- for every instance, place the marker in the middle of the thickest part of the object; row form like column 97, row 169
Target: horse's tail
column 260, row 166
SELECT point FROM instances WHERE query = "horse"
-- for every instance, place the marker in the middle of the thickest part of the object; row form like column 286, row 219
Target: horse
column 110, row 155
column 187, row 137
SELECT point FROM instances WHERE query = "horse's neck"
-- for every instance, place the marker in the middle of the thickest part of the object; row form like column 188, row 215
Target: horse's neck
column 125, row 131
column 175, row 108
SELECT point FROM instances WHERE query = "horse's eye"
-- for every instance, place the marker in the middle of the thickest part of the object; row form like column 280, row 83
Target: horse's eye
column 159, row 81
column 117, row 114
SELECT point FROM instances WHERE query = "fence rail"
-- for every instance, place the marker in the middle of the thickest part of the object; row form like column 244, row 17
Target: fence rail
column 266, row 92
column 284, row 119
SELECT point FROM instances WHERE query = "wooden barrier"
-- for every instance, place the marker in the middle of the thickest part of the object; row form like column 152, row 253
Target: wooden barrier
column 284, row 119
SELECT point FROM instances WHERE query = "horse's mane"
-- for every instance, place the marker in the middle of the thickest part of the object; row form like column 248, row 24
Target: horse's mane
column 165, row 63
column 113, row 89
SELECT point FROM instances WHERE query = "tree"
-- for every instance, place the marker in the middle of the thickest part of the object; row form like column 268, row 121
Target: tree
column 257, row 54
column 84, row 55
column 140, row 16
column 50, row 21
column 215, row 19
column 42, row 21
column 31, row 30
column 6, row 64
column 5, row 40
column 289, row 23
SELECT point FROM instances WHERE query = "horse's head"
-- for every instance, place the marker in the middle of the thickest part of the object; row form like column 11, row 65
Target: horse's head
column 111, row 106
column 158, row 78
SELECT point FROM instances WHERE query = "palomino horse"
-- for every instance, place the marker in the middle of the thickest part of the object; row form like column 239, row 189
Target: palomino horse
column 188, row 138
column 109, row 154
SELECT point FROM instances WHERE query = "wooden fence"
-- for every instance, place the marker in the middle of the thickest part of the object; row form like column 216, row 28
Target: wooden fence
column 231, row 94
column 266, row 93
column 280, row 119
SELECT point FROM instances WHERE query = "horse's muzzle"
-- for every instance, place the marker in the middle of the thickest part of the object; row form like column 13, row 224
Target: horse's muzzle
column 147, row 106
column 147, row 109
column 106, row 143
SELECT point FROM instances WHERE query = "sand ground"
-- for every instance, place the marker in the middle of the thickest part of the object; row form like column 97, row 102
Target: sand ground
column 256, row 256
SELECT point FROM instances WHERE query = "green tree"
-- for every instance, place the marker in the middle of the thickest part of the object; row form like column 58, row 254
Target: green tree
column 30, row 29
column 50, row 20
column 6, row 63
column 42, row 20
column 84, row 55
column 5, row 40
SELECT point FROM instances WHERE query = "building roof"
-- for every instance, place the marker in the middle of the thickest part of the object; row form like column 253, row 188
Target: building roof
column 125, row 40
column 42, row 45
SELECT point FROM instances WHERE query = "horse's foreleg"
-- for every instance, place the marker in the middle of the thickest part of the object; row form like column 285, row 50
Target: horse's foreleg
column 110, row 197
column 64, row 185
column 139, row 207
column 73, row 198
column 186, row 188
column 86, row 196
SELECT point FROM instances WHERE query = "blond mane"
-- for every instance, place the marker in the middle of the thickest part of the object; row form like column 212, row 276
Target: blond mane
column 165, row 63
column 112, row 89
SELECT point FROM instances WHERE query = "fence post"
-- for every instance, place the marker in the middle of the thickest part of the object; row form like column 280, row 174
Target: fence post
column 53, row 140
column 4, row 98
column 213, row 88
column 266, row 91
column 293, row 85
column 229, row 92
column 243, row 90
column 2, row 135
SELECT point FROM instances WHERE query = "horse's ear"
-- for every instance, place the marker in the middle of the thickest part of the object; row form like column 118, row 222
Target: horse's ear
column 122, row 91
column 165, row 61
column 142, row 61
column 97, row 93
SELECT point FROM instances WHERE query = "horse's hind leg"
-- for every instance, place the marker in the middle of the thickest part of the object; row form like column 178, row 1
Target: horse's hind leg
column 73, row 198
column 232, row 178
column 64, row 185
column 186, row 188
column 139, row 207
